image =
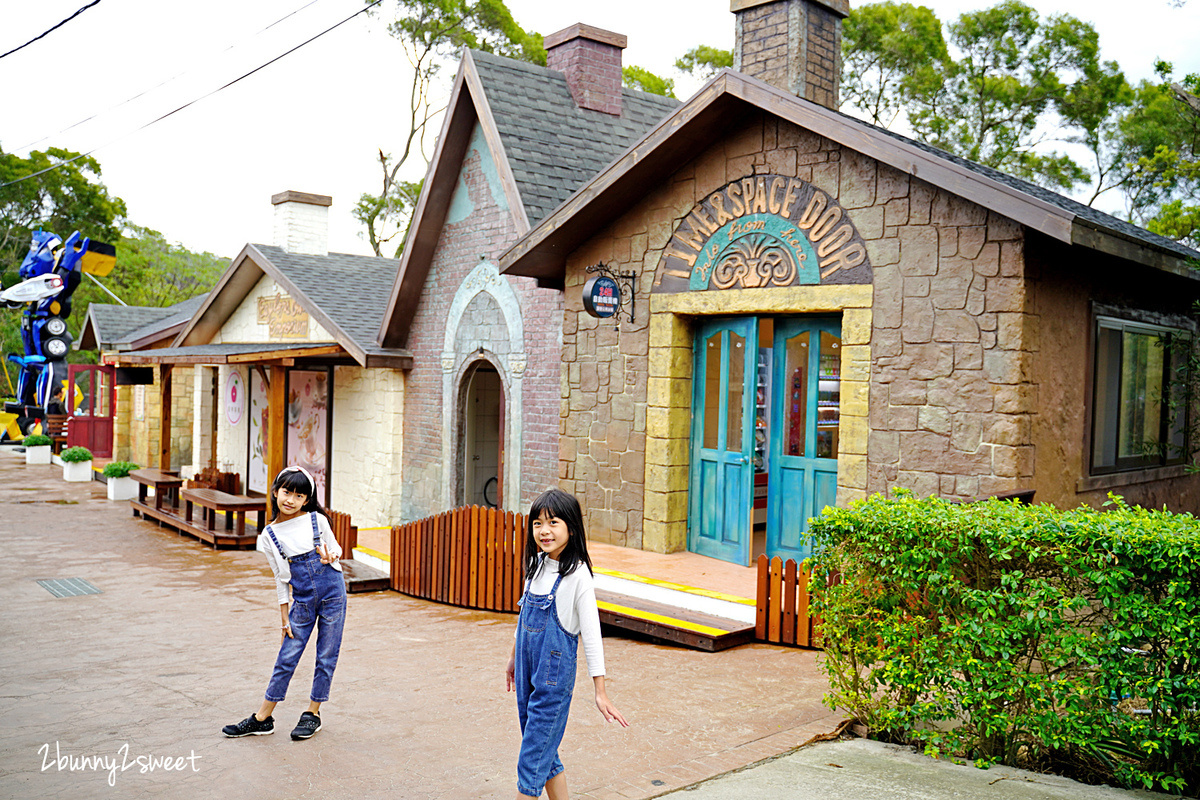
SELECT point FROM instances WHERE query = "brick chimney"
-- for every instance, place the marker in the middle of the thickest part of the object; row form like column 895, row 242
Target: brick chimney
column 591, row 60
column 302, row 222
column 795, row 45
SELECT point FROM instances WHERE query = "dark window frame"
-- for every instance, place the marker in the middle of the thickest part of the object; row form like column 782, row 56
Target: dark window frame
column 1119, row 324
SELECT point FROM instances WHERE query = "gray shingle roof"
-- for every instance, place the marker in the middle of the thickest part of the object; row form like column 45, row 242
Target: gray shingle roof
column 352, row 290
column 112, row 322
column 172, row 315
column 553, row 146
column 1092, row 215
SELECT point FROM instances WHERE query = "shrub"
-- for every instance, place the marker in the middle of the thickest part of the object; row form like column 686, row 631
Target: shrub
column 75, row 455
column 37, row 440
column 119, row 469
column 1022, row 635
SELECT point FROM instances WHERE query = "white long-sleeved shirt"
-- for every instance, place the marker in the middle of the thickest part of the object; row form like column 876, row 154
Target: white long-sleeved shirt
column 296, row 538
column 575, row 605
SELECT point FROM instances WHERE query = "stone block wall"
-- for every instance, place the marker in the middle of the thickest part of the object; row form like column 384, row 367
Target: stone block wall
column 937, row 353
column 138, row 440
column 478, row 227
column 368, row 438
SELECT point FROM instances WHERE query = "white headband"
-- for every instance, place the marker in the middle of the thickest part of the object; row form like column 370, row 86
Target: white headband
column 302, row 470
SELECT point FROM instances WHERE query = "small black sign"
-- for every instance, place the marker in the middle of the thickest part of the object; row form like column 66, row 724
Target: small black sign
column 601, row 296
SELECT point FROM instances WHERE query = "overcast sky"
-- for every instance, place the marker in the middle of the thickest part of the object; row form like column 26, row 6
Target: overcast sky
column 315, row 120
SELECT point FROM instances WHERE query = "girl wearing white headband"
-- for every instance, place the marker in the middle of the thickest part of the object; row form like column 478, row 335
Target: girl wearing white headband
column 304, row 555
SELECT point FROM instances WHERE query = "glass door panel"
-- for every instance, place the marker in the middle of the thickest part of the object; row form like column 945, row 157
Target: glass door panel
column 722, row 468
column 802, row 472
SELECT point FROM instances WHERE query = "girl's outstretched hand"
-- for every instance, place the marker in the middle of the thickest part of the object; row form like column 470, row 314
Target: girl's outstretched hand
column 326, row 556
column 607, row 709
column 610, row 711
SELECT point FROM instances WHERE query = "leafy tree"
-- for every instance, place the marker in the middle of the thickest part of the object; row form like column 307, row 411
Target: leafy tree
column 999, row 101
column 646, row 81
column 1160, row 146
column 69, row 198
column 704, row 61
column 892, row 52
column 431, row 31
column 1017, row 84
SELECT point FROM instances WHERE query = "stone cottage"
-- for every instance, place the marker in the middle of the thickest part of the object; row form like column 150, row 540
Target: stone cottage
column 824, row 309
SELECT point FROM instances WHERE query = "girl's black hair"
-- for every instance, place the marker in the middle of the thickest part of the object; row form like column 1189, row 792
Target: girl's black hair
column 560, row 505
column 295, row 481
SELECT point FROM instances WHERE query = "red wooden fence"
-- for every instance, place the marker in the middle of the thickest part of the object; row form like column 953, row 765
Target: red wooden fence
column 467, row 557
column 784, row 604
column 345, row 533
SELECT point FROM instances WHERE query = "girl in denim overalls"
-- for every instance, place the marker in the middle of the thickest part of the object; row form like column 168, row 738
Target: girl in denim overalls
column 306, row 561
column 557, row 609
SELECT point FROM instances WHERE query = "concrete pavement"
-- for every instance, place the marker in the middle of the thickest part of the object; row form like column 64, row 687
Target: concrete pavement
column 858, row 769
column 181, row 639
column 122, row 694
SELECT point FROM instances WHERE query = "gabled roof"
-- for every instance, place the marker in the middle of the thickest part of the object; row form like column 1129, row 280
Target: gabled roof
column 554, row 146
column 543, row 145
column 730, row 96
column 346, row 294
column 116, row 327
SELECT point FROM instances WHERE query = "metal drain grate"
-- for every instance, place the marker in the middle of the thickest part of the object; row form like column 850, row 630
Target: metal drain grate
column 68, row 587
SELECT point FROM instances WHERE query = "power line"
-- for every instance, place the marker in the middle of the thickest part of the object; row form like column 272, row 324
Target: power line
column 145, row 92
column 56, row 27
column 193, row 102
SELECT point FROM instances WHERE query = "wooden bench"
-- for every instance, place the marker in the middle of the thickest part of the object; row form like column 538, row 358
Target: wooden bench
column 165, row 484
column 235, row 507
column 55, row 426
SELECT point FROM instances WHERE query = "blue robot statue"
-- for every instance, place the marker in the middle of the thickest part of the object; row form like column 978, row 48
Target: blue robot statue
column 50, row 273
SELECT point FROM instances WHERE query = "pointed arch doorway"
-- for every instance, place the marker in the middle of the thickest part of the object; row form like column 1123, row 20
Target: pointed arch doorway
column 481, row 466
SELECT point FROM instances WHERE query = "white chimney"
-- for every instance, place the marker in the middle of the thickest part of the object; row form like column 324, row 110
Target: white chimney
column 302, row 222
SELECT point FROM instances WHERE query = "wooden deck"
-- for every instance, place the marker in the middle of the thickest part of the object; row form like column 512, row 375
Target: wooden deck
column 359, row 577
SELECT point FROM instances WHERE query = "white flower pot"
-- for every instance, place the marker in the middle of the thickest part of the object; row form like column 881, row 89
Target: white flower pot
column 77, row 472
column 122, row 488
column 39, row 454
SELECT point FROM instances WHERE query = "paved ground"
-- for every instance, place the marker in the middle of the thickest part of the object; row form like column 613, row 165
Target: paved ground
column 182, row 638
column 858, row 769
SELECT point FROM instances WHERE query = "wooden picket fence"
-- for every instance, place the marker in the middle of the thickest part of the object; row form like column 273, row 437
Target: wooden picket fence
column 784, row 604
column 345, row 532
column 468, row 557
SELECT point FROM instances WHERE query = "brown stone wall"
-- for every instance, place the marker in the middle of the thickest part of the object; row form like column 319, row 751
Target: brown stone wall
column 951, row 338
column 1064, row 284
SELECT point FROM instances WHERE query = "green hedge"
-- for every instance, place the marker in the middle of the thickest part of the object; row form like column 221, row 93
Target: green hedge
column 1023, row 635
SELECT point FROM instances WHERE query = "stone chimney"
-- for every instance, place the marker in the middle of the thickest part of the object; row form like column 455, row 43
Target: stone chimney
column 302, row 222
column 795, row 45
column 591, row 60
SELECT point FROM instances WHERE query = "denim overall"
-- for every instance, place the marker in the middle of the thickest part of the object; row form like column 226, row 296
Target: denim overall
column 318, row 591
column 545, row 677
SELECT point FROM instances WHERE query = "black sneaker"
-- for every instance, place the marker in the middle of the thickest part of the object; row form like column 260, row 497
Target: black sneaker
column 250, row 726
column 309, row 724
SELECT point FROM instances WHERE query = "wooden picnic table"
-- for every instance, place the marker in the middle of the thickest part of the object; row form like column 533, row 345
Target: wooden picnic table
column 235, row 507
column 166, row 484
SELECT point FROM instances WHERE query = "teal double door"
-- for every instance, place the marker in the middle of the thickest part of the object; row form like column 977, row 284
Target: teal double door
column 765, row 409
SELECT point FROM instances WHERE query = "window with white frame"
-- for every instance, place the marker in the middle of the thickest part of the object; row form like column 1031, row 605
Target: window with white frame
column 1139, row 408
